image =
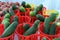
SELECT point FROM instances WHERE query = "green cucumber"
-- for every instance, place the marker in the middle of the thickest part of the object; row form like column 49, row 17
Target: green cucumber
column 11, row 12
column 40, row 17
column 14, row 6
column 11, row 28
column 52, row 17
column 32, row 13
column 28, row 6
column 7, row 15
column 25, row 26
column 6, row 24
column 44, row 38
column 40, row 7
column 15, row 18
column 6, row 19
column 23, row 4
column 22, row 9
column 4, row 12
column 46, row 26
column 32, row 29
column 52, row 29
column 36, row 9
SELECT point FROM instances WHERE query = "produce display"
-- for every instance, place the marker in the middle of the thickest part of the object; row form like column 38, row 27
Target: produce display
column 26, row 22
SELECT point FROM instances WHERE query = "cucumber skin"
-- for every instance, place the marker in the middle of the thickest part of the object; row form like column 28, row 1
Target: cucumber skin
column 44, row 38
column 11, row 12
column 10, row 29
column 33, row 28
column 25, row 26
column 52, row 17
column 40, row 17
column 52, row 29
column 46, row 26
column 15, row 19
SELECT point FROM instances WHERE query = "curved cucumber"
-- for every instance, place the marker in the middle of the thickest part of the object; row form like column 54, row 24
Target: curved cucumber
column 32, row 29
column 40, row 17
column 11, row 28
column 25, row 26
column 52, row 29
column 46, row 26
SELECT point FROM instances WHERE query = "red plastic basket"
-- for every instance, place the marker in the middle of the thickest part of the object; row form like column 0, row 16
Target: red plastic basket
column 23, row 19
column 1, row 28
column 33, row 19
column 42, row 36
column 27, row 11
column 20, row 30
column 57, row 34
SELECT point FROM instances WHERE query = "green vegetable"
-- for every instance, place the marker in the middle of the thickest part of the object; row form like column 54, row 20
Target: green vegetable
column 52, row 29
column 32, row 13
column 32, row 29
column 25, row 26
column 15, row 18
column 6, row 19
column 23, row 4
column 36, row 9
column 44, row 38
column 40, row 17
column 52, row 17
column 6, row 24
column 4, row 12
column 22, row 9
column 46, row 26
column 7, row 15
column 28, row 6
column 11, row 28
column 11, row 12
column 56, row 39
column 58, row 23
column 40, row 7
column 13, row 6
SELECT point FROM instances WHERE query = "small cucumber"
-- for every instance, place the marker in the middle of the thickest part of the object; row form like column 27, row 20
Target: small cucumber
column 23, row 4
column 32, row 13
column 32, row 29
column 25, row 26
column 7, row 15
column 11, row 12
column 52, row 29
column 14, row 6
column 6, row 24
column 28, row 6
column 44, row 38
column 6, row 19
column 22, row 9
column 40, row 7
column 46, row 26
column 4, row 12
column 15, row 18
column 11, row 28
column 36, row 9
column 52, row 17
column 40, row 17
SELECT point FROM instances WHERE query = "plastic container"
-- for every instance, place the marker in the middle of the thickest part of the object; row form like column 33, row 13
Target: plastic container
column 1, row 28
column 42, row 36
column 57, row 34
column 20, row 31
column 23, row 19
column 33, row 19
column 26, row 13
